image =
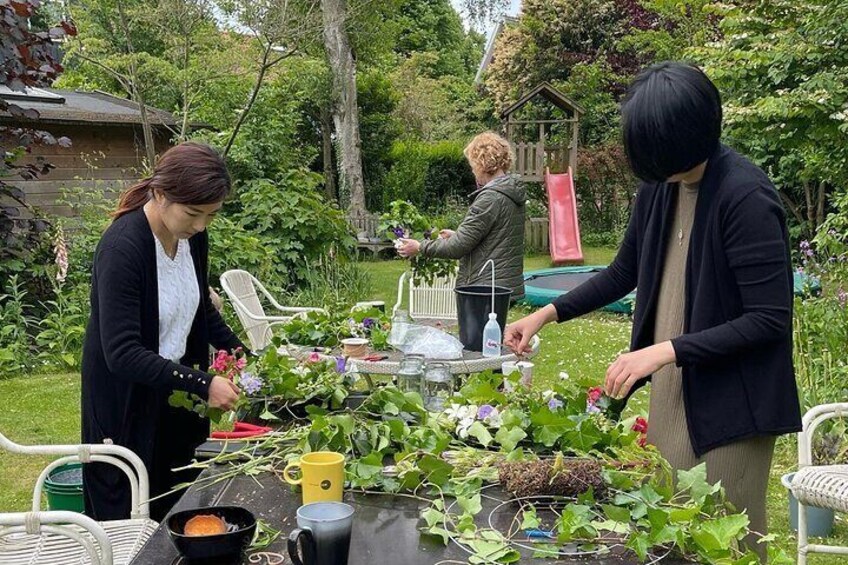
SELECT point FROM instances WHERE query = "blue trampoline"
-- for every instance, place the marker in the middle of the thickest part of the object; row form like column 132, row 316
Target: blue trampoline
column 543, row 286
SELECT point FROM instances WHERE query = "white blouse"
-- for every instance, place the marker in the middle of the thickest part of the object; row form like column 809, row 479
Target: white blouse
column 179, row 297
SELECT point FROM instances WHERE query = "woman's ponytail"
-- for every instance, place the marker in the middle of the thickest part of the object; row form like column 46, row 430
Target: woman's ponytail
column 133, row 198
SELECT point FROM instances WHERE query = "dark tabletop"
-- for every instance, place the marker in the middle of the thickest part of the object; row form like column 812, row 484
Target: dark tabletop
column 385, row 531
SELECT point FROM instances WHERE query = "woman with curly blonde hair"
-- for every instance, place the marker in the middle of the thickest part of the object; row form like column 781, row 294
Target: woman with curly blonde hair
column 494, row 225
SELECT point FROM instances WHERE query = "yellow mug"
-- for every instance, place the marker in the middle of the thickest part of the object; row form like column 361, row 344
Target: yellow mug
column 322, row 476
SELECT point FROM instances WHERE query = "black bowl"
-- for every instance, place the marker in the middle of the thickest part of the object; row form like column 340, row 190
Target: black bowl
column 242, row 527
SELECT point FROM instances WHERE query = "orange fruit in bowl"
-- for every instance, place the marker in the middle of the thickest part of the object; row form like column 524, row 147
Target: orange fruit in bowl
column 205, row 525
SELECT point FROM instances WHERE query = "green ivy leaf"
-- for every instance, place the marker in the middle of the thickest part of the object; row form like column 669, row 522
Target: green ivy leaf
column 509, row 438
column 479, row 431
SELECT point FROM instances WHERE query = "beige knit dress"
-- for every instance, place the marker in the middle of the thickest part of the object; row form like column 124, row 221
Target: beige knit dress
column 742, row 467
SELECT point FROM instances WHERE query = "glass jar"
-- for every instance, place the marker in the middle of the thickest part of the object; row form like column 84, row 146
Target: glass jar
column 400, row 326
column 411, row 373
column 438, row 386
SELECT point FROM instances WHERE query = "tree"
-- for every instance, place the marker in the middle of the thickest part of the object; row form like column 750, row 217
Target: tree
column 345, row 110
column 27, row 59
column 280, row 29
column 782, row 67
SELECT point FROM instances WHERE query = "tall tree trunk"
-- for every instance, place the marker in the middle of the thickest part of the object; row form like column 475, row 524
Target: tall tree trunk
column 345, row 109
column 327, row 146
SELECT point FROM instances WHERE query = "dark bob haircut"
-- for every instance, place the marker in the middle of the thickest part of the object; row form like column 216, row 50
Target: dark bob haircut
column 671, row 120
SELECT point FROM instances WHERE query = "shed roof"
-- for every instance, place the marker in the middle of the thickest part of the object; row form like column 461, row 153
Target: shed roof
column 75, row 106
column 549, row 93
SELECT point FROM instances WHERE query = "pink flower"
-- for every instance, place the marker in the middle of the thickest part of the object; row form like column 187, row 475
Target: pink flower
column 241, row 363
column 641, row 425
column 314, row 357
column 594, row 394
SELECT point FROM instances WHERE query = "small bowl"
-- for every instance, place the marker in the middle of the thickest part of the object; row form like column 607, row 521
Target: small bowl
column 356, row 347
column 242, row 527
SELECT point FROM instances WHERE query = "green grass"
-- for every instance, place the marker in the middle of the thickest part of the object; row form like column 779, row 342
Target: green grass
column 45, row 409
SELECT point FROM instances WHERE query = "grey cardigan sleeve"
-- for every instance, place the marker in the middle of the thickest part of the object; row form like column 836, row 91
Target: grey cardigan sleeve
column 474, row 227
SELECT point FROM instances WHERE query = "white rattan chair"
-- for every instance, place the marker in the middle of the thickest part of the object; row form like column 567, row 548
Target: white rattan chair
column 66, row 538
column 241, row 288
column 822, row 486
column 435, row 301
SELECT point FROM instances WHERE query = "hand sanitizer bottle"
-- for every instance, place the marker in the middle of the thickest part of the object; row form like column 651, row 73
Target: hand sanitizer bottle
column 492, row 337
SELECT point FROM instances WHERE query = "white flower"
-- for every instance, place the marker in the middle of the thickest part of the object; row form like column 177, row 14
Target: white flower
column 494, row 419
column 464, row 425
column 563, row 376
column 547, row 395
column 300, row 371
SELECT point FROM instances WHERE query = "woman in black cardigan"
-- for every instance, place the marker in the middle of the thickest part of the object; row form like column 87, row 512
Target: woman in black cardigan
column 151, row 326
column 708, row 249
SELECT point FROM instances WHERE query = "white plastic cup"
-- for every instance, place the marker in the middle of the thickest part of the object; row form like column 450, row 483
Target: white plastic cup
column 507, row 368
column 526, row 368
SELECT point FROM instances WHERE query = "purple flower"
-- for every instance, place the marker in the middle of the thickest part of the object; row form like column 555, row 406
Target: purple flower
column 554, row 404
column 368, row 323
column 592, row 409
column 398, row 231
column 340, row 365
column 806, row 249
column 250, row 383
column 484, row 411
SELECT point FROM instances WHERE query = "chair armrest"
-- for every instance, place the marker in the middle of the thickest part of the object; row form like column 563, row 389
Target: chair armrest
column 55, row 522
column 812, row 419
column 397, row 305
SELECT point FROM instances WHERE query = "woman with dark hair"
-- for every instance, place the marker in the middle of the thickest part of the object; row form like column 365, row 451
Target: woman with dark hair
column 707, row 246
column 152, row 322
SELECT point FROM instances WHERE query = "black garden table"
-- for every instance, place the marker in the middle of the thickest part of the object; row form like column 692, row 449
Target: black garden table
column 385, row 531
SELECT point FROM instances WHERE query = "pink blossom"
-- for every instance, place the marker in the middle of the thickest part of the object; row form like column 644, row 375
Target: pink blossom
column 594, row 394
column 314, row 357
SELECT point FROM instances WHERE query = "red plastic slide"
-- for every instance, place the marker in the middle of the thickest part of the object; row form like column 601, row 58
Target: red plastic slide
column 564, row 231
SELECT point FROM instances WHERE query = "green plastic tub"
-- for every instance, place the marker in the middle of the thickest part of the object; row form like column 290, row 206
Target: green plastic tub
column 64, row 488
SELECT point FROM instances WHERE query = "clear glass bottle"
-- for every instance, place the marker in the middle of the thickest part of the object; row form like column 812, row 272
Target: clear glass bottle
column 438, row 386
column 411, row 373
column 400, row 326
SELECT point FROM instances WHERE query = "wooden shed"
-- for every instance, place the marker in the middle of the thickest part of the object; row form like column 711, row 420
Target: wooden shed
column 107, row 152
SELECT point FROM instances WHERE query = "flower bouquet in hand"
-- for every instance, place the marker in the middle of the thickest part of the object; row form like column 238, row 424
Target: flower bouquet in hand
column 403, row 221
column 226, row 365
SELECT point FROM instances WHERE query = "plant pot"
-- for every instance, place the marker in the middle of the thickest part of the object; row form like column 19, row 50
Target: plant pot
column 819, row 520
column 473, row 304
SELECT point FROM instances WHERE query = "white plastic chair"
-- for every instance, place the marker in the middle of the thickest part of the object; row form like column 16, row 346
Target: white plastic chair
column 241, row 287
column 822, row 486
column 61, row 537
column 435, row 301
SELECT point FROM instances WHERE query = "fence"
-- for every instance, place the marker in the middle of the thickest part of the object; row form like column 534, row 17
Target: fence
column 535, row 232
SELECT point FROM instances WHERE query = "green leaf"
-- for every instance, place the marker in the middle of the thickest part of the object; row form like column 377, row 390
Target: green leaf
column 509, row 438
column 529, row 520
column 472, row 504
column 718, row 535
column 694, row 481
column 479, row 431
column 432, row 516
column 616, row 513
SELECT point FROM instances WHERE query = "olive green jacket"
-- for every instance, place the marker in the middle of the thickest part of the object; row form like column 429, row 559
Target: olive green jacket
column 493, row 228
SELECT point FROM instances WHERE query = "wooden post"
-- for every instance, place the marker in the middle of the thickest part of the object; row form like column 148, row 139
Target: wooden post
column 572, row 160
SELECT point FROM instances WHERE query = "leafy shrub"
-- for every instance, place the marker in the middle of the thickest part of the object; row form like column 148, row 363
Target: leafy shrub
column 605, row 188
column 16, row 348
column 425, row 174
column 292, row 222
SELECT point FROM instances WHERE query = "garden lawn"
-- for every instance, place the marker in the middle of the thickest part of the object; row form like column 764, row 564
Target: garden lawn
column 45, row 409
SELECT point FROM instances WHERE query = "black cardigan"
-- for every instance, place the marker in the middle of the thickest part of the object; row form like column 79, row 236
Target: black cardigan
column 125, row 383
column 736, row 349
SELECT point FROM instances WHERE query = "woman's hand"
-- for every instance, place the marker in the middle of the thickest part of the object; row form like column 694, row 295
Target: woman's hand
column 409, row 248
column 517, row 335
column 223, row 394
column 631, row 367
column 446, row 234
